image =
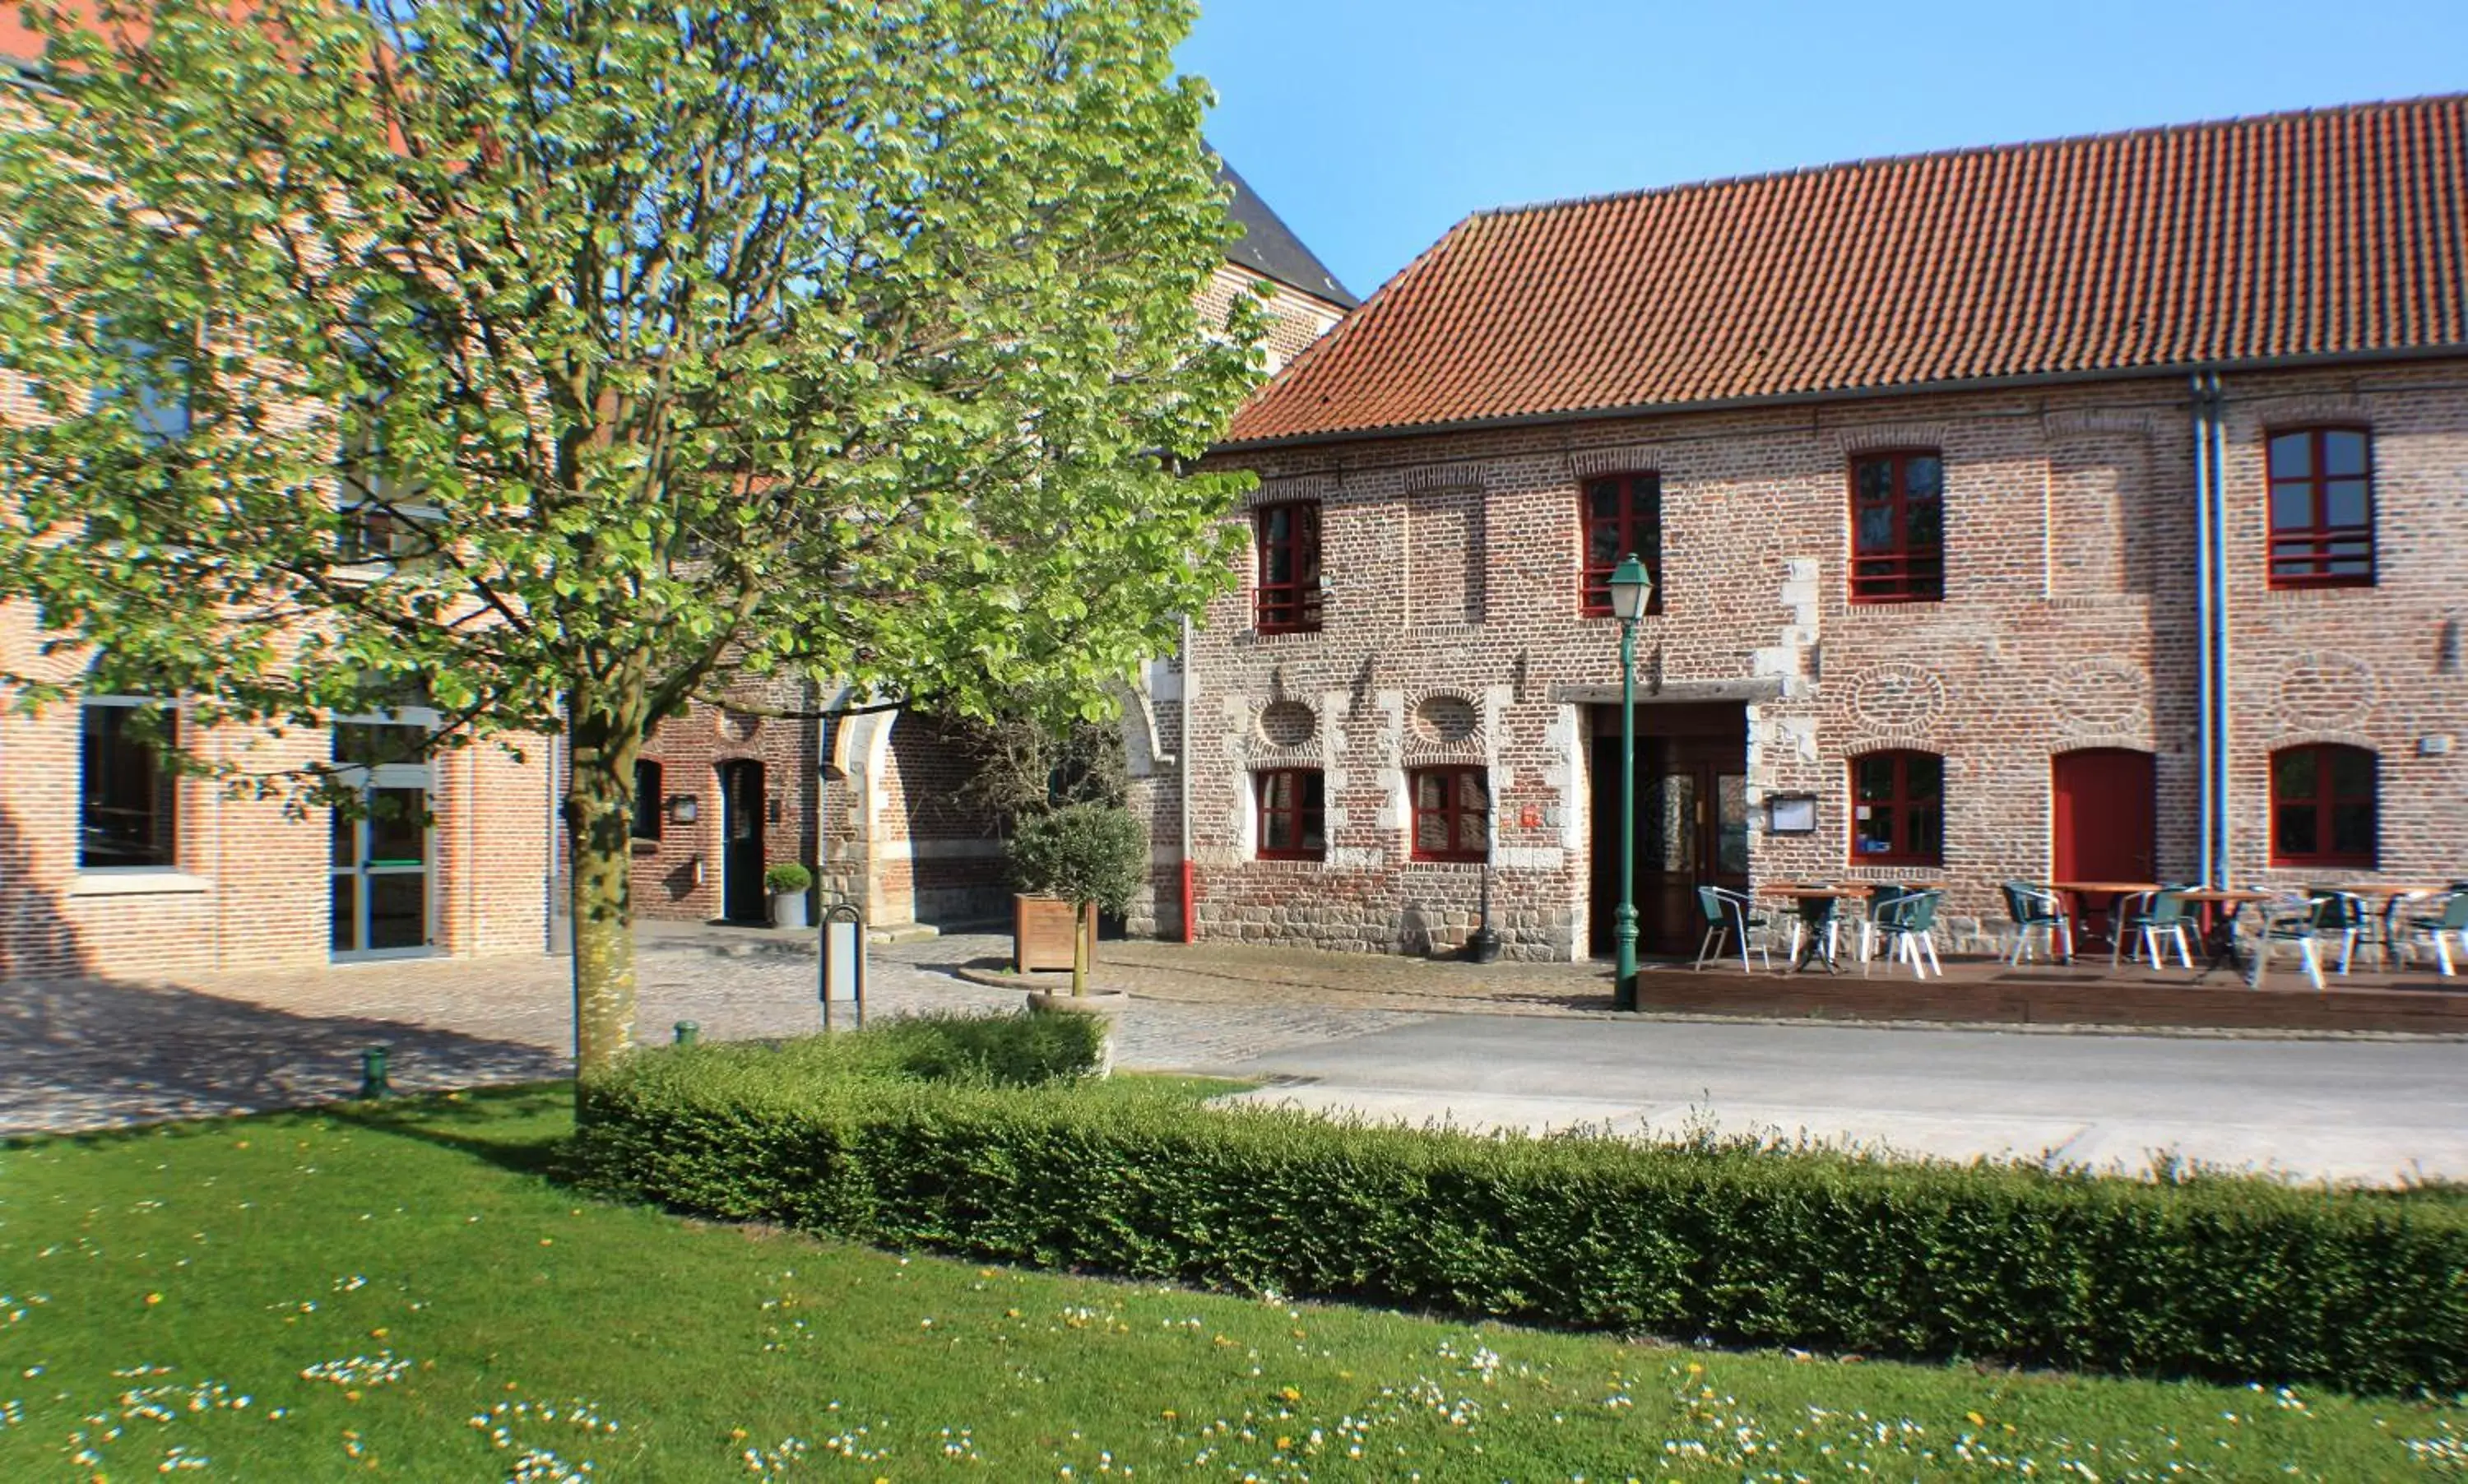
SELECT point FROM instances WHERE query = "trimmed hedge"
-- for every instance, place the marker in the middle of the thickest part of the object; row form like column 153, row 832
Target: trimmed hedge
column 2218, row 1277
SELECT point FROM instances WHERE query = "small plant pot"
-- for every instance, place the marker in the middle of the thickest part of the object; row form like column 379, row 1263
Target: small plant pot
column 1109, row 1005
column 789, row 909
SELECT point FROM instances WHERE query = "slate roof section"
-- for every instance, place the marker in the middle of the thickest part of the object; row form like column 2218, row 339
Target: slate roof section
column 2328, row 234
column 1269, row 248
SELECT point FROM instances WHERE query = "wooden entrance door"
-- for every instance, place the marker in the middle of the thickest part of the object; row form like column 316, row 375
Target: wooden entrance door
column 2104, row 815
column 1692, row 819
column 741, row 846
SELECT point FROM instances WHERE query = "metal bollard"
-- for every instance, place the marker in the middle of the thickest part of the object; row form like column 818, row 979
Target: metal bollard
column 689, row 1032
column 373, row 1074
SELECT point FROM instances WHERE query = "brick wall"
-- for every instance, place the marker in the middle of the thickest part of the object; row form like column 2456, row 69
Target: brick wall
column 2068, row 623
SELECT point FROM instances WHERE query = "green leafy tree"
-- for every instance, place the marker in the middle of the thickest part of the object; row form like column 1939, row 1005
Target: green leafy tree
column 556, row 365
column 1085, row 854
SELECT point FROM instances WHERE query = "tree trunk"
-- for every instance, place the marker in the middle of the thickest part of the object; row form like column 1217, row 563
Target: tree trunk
column 1079, row 935
column 598, row 827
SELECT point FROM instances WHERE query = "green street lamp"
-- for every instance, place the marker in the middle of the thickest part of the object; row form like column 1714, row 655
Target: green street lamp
column 1632, row 589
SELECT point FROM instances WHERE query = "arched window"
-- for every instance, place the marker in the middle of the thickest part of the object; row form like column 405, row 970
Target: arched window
column 1898, row 809
column 647, row 800
column 2323, row 806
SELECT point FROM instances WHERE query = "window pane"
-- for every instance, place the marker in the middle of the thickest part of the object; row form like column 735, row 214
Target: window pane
column 125, row 793
column 398, row 910
column 1874, row 530
column 1471, row 794
column 1431, row 834
column 2352, row 830
column 1277, row 792
column 2292, row 507
column 647, row 801
column 346, row 849
column 1926, row 524
column 1314, row 790
column 1474, row 834
column 1874, row 836
column 1602, row 545
column 2344, row 502
column 1430, row 791
column 2352, row 772
column 2343, row 453
column 2291, row 829
column 345, row 933
column 1873, row 479
column 1923, row 773
column 1924, row 476
column 2292, row 456
column 2291, row 774
column 1276, row 831
column 1731, row 821
column 398, row 826
column 1928, row 833
column 1602, row 500
column 1875, row 775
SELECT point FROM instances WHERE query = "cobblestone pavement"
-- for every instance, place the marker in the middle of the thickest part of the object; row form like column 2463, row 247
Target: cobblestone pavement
column 88, row 1054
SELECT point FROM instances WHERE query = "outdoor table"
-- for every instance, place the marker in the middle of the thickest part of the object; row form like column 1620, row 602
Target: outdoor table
column 2111, row 890
column 2218, row 934
column 1816, row 904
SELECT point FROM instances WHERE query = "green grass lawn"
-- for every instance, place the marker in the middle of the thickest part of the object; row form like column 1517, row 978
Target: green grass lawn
column 407, row 1294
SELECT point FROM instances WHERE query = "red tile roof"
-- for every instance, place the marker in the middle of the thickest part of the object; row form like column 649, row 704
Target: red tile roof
column 2322, row 234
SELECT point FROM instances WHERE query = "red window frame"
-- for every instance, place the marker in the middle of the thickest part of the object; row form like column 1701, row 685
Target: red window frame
column 1439, row 796
column 1634, row 524
column 1303, row 808
column 1289, row 594
column 2301, row 808
column 2305, row 548
column 1907, row 815
column 1905, row 565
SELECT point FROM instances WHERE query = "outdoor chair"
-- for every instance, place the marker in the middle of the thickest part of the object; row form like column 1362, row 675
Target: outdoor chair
column 1879, row 894
column 2446, row 925
column 2348, row 917
column 1907, row 927
column 2297, row 921
column 1727, row 913
column 2037, row 909
column 2154, row 916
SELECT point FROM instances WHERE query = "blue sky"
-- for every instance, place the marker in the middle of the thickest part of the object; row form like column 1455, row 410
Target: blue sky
column 1372, row 126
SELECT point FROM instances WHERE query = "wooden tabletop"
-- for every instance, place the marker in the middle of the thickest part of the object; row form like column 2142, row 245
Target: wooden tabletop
column 2383, row 888
column 1787, row 889
column 2104, row 888
column 2229, row 894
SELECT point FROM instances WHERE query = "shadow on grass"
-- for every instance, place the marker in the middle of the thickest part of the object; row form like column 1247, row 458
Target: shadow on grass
column 524, row 1130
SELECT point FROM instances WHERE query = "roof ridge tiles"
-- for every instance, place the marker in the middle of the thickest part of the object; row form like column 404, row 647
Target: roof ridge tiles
column 1963, row 151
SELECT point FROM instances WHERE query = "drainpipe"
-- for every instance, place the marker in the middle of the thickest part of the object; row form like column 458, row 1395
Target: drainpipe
column 1190, row 883
column 548, row 844
column 2204, row 680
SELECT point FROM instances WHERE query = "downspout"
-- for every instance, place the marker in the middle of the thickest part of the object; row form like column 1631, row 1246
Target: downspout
column 2208, row 807
column 548, row 845
column 1183, row 746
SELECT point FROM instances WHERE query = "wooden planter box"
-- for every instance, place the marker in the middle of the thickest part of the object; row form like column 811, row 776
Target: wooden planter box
column 1040, row 933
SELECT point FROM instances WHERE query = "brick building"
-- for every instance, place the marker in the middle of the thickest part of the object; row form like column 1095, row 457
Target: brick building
column 2087, row 509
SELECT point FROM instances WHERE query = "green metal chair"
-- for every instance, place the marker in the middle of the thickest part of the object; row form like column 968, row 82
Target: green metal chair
column 2037, row 909
column 1725, row 913
column 2348, row 917
column 1907, row 927
column 2298, row 921
column 2157, row 914
column 2445, row 924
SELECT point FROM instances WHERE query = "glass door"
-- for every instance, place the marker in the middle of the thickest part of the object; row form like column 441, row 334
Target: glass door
column 381, row 855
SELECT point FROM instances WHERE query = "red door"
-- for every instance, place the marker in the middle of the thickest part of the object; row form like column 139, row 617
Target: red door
column 2104, row 815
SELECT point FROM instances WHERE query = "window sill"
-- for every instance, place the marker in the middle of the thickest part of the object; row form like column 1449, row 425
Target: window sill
column 138, row 881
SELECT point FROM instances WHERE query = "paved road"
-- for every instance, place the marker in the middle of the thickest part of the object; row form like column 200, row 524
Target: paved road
column 2372, row 1111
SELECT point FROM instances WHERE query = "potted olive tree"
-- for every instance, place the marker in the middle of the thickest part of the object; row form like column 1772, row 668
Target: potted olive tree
column 1088, row 855
column 786, row 881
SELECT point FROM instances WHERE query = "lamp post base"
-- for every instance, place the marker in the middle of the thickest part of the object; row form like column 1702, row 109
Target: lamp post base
column 1624, row 972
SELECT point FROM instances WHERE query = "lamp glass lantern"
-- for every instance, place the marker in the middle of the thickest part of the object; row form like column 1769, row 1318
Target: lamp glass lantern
column 1632, row 589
